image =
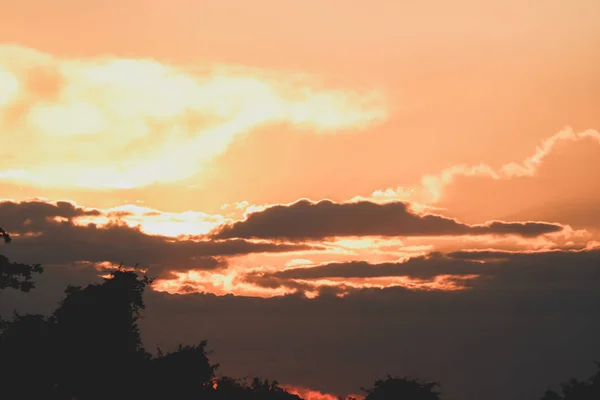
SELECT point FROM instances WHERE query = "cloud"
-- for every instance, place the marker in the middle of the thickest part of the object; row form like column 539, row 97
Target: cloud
column 433, row 185
column 155, row 222
column 48, row 233
column 565, row 239
column 553, row 265
column 554, row 183
column 447, row 272
column 536, row 312
column 34, row 216
column 62, row 233
column 123, row 123
column 421, row 267
column 434, row 271
column 309, row 220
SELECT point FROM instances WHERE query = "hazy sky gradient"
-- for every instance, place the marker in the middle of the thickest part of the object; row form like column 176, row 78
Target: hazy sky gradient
column 374, row 173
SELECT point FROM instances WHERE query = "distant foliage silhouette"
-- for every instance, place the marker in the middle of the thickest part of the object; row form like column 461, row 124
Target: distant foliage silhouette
column 180, row 374
column 577, row 390
column 392, row 388
column 257, row 389
column 4, row 235
column 90, row 348
column 16, row 275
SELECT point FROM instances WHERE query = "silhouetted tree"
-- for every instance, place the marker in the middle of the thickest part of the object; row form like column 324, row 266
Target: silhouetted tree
column 16, row 275
column 4, row 235
column 228, row 388
column 97, row 338
column 90, row 348
column 577, row 390
column 184, row 373
column 392, row 388
column 263, row 389
column 551, row 395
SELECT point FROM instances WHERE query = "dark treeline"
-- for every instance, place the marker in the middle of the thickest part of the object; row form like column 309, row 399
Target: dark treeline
column 90, row 348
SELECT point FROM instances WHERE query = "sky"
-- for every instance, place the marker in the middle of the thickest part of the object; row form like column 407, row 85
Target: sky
column 327, row 191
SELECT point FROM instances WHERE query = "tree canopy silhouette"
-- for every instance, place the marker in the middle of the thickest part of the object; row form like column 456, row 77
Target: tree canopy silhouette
column 92, row 344
column 4, row 235
column 257, row 389
column 392, row 388
column 96, row 332
column 90, row 348
column 16, row 275
column 575, row 389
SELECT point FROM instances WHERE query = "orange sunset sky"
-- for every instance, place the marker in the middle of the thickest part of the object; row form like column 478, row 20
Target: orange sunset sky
column 275, row 149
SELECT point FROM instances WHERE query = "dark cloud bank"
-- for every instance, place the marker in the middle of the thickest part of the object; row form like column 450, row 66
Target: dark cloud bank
column 530, row 321
column 47, row 234
column 538, row 267
column 308, row 220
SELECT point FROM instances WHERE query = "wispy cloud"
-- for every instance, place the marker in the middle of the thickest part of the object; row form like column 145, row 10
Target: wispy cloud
column 432, row 186
column 123, row 123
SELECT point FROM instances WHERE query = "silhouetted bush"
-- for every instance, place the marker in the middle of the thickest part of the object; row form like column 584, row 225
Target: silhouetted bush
column 401, row 389
column 577, row 390
column 16, row 275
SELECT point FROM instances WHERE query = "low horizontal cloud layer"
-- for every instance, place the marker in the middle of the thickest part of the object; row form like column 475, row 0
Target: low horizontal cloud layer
column 47, row 233
column 34, row 216
column 557, row 267
column 63, row 233
column 536, row 312
column 317, row 220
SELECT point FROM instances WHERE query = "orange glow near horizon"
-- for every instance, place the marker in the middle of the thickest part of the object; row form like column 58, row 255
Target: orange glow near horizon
column 233, row 281
column 308, row 394
column 216, row 283
column 236, row 277
column 154, row 222
column 440, row 282
column 184, row 128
